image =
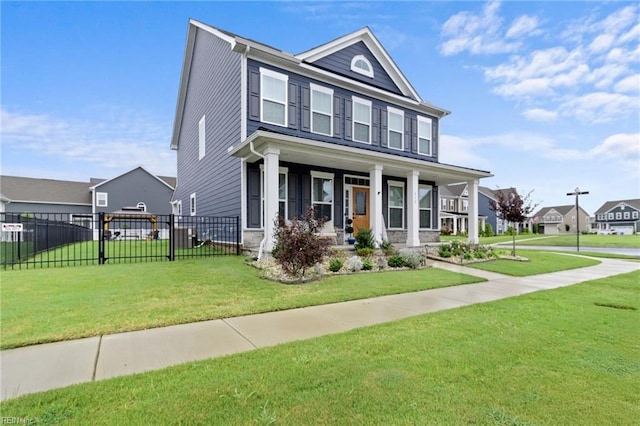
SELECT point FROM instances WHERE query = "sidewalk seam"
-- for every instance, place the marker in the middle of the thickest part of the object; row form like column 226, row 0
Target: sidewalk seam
column 224, row 320
column 95, row 361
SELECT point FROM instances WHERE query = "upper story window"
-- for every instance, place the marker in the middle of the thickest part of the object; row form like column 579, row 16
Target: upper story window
column 141, row 206
column 424, row 136
column 321, row 110
column 635, row 215
column 395, row 128
column 465, row 205
column 201, row 138
column 361, row 65
column 361, row 120
column 273, row 97
column 627, row 215
column 102, row 199
column 618, row 215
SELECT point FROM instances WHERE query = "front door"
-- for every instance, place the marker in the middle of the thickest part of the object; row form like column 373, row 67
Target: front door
column 360, row 213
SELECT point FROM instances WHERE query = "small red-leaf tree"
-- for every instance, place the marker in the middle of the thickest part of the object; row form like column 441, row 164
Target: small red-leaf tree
column 298, row 245
column 510, row 206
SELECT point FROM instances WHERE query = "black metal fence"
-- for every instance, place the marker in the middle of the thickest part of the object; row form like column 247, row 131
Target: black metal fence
column 64, row 239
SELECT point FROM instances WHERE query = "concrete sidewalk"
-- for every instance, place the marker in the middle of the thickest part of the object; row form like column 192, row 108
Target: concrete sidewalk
column 54, row 365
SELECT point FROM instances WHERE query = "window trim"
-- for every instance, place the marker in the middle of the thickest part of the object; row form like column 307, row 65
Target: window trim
column 179, row 204
column 396, row 111
column 635, row 214
column 314, row 87
column 355, row 100
column 610, row 216
column 626, row 215
column 400, row 184
column 618, row 215
column 281, row 171
column 202, row 138
column 278, row 76
column 429, row 122
column 430, row 209
column 354, row 68
column 106, row 199
column 192, row 204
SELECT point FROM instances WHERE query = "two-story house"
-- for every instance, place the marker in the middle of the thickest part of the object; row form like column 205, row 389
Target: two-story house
column 561, row 220
column 260, row 132
column 454, row 208
column 621, row 217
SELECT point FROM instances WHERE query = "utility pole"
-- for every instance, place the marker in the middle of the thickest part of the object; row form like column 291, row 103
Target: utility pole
column 577, row 193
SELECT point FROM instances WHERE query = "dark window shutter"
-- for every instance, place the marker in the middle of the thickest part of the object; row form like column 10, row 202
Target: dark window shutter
column 253, row 198
column 306, row 109
column 292, row 196
column 348, row 120
column 414, row 135
column 407, row 133
column 254, row 95
column 338, row 193
column 434, row 136
column 383, row 127
column 293, row 105
column 435, row 207
column 306, row 192
column 337, row 116
column 375, row 126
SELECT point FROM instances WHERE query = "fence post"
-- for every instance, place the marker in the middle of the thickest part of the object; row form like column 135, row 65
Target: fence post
column 101, row 238
column 172, row 238
column 237, row 235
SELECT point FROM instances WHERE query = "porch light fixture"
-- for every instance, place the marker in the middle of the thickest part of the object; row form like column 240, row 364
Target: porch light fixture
column 577, row 193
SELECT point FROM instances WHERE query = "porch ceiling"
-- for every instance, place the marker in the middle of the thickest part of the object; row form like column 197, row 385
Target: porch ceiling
column 315, row 153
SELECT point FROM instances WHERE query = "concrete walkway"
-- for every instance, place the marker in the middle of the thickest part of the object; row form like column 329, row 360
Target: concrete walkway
column 55, row 365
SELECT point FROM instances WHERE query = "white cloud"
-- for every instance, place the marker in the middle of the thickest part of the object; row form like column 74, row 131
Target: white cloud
column 599, row 107
column 483, row 33
column 460, row 151
column 523, row 25
column 601, row 43
column 539, row 114
column 629, row 84
column 122, row 140
column 621, row 145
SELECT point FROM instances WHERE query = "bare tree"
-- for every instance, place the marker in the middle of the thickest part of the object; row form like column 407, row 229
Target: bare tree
column 512, row 208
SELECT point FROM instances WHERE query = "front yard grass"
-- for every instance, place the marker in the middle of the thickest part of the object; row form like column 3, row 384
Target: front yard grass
column 540, row 262
column 564, row 356
column 47, row 305
column 590, row 240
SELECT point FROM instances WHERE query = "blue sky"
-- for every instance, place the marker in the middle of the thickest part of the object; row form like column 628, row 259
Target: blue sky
column 545, row 95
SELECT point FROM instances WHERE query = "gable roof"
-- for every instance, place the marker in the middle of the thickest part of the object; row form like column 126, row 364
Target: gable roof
column 635, row 203
column 487, row 192
column 563, row 210
column 35, row 190
column 371, row 42
column 164, row 182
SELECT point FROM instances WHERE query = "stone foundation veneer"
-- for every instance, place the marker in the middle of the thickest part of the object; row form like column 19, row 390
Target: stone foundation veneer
column 400, row 236
column 251, row 238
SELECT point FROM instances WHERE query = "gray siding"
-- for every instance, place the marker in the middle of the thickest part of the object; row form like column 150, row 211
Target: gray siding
column 214, row 91
column 46, row 208
column 299, row 116
column 484, row 209
column 134, row 187
column 340, row 63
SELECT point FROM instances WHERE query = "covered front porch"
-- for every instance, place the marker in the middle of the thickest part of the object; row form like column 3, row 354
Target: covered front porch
column 458, row 223
column 394, row 195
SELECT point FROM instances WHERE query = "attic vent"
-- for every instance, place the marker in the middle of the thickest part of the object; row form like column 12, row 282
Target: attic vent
column 361, row 65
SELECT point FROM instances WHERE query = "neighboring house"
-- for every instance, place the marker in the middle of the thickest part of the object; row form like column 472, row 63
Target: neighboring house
column 561, row 220
column 77, row 202
column 261, row 132
column 621, row 217
column 454, row 208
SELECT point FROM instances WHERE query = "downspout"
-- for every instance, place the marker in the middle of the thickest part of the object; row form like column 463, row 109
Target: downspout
column 264, row 189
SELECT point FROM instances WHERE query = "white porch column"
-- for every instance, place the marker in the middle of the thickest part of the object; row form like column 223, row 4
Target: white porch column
column 271, row 184
column 455, row 225
column 375, row 184
column 472, row 187
column 463, row 224
column 413, row 209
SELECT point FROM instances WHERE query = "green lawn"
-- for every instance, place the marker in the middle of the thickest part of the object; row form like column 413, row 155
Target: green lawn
column 591, row 240
column 557, row 357
column 540, row 263
column 489, row 240
column 46, row 305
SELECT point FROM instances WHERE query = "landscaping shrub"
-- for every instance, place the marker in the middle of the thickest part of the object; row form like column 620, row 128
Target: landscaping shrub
column 446, row 231
column 387, row 248
column 381, row 263
column 444, row 250
column 367, row 265
column 510, row 231
column 525, row 230
column 364, row 239
column 335, row 264
column 298, row 245
column 354, row 264
column 488, row 230
column 412, row 259
column 396, row 261
column 364, row 252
